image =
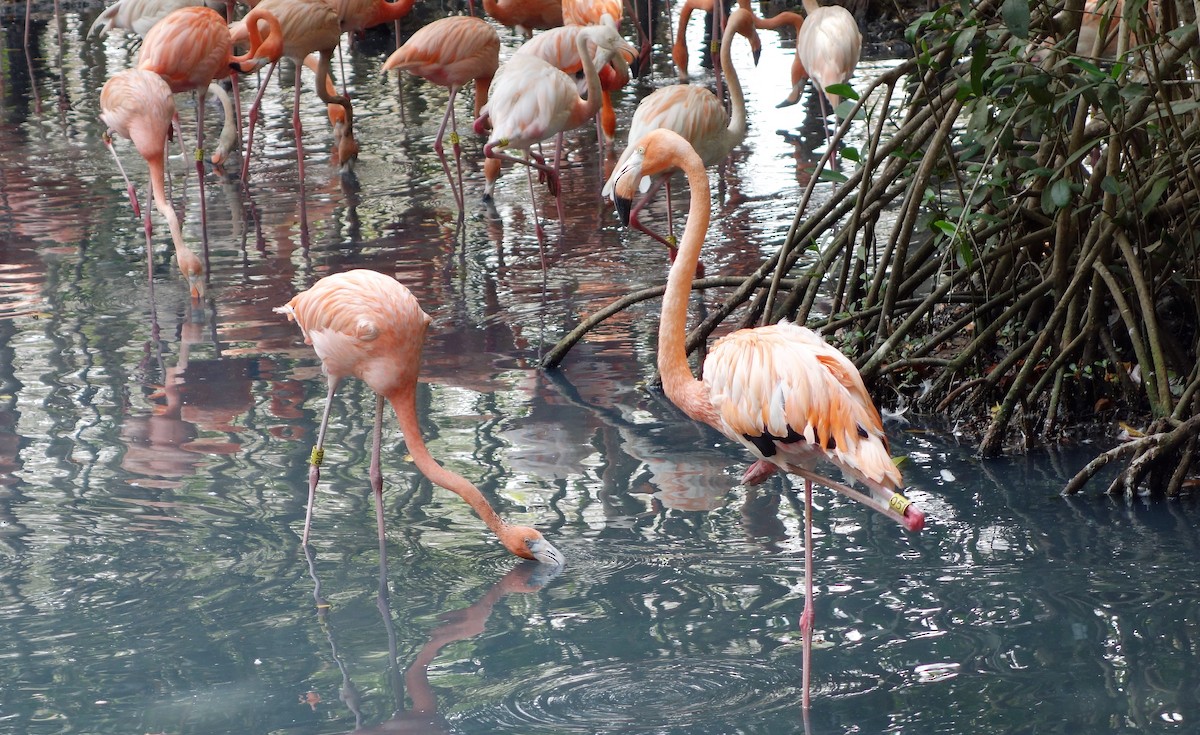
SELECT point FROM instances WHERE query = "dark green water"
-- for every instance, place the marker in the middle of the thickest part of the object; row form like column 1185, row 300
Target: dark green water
column 152, row 478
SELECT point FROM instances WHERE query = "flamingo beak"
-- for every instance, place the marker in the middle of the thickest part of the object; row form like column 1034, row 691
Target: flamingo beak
column 624, row 207
column 544, row 552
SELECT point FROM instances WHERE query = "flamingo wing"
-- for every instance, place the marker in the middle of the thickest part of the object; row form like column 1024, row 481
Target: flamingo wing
column 794, row 400
column 450, row 51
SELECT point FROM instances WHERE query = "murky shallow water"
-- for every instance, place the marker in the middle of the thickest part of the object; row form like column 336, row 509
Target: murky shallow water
column 152, row 478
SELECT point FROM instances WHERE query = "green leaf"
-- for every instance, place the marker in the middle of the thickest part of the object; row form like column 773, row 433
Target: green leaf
column 1015, row 14
column 842, row 90
column 850, row 154
column 1156, row 192
column 979, row 63
column 947, row 228
column 837, row 177
column 1060, row 193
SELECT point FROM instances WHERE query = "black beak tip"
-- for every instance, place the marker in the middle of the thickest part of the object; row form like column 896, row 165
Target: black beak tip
column 624, row 206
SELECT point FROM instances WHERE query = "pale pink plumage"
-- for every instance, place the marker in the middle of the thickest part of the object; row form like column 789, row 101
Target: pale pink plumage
column 693, row 112
column 137, row 104
column 829, row 45
column 451, row 52
column 140, row 16
column 366, row 325
column 780, row 391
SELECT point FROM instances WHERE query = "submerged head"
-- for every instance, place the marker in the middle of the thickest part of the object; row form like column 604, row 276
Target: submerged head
column 528, row 543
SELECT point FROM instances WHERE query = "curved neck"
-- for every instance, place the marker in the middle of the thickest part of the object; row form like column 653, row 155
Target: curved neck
column 483, row 86
column 404, row 403
column 272, row 49
column 190, row 265
column 387, row 11
column 673, row 365
column 737, row 103
column 586, row 108
column 785, row 18
column 810, row 6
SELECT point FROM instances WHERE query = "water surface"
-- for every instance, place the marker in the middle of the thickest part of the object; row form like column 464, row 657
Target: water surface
column 153, row 467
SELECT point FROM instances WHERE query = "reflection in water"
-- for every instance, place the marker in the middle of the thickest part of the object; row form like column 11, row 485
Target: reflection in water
column 152, row 469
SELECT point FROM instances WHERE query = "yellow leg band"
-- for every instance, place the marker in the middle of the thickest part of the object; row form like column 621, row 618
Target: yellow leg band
column 899, row 503
column 454, row 140
column 317, row 457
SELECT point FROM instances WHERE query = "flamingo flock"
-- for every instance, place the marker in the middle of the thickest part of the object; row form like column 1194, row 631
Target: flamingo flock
column 781, row 391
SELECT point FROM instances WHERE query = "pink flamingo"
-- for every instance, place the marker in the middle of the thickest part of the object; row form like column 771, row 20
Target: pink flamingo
column 828, row 45
column 295, row 28
column 137, row 104
column 532, row 101
column 191, row 48
column 557, row 46
column 367, row 325
column 780, row 391
column 451, row 52
column 591, row 12
column 140, row 16
column 679, row 50
column 695, row 113
column 525, row 16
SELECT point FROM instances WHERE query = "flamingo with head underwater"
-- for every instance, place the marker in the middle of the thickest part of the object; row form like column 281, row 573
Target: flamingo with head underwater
column 137, row 104
column 364, row 324
column 781, row 391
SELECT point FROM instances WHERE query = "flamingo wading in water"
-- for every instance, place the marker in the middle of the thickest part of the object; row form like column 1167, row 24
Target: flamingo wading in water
column 532, row 101
column 451, row 52
column 137, row 104
column 828, row 45
column 296, row 28
column 781, row 390
column 367, row 325
column 695, row 113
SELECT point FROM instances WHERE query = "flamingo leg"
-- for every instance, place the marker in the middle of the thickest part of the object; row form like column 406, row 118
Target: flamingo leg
column 448, row 119
column 558, row 151
column 537, row 221
column 201, row 98
column 297, row 127
column 315, row 459
column 456, row 144
column 254, row 122
column 806, row 617
column 376, row 471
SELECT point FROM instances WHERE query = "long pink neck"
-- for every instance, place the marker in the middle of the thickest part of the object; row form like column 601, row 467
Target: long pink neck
column 404, row 402
column 389, row 10
column 585, row 109
column 680, row 385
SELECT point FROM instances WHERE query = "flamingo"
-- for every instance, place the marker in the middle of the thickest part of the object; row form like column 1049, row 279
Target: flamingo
column 525, row 16
column 828, row 45
column 592, row 12
column 296, row 28
column 137, row 104
column 781, row 391
column 367, row 325
column 451, row 52
column 140, row 16
column 695, row 113
column 679, row 50
column 191, row 48
column 798, row 72
column 557, row 46
column 532, row 101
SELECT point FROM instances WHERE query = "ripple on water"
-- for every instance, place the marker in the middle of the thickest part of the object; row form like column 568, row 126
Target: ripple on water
column 681, row 694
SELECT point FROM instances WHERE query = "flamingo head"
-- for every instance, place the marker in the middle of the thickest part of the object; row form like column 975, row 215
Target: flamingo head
column 608, row 41
column 528, row 543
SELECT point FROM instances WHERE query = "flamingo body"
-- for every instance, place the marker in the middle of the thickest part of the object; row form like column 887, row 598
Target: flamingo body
column 525, row 16
column 140, row 16
column 366, row 325
column 188, row 48
column 828, row 45
column 137, row 104
column 781, row 391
